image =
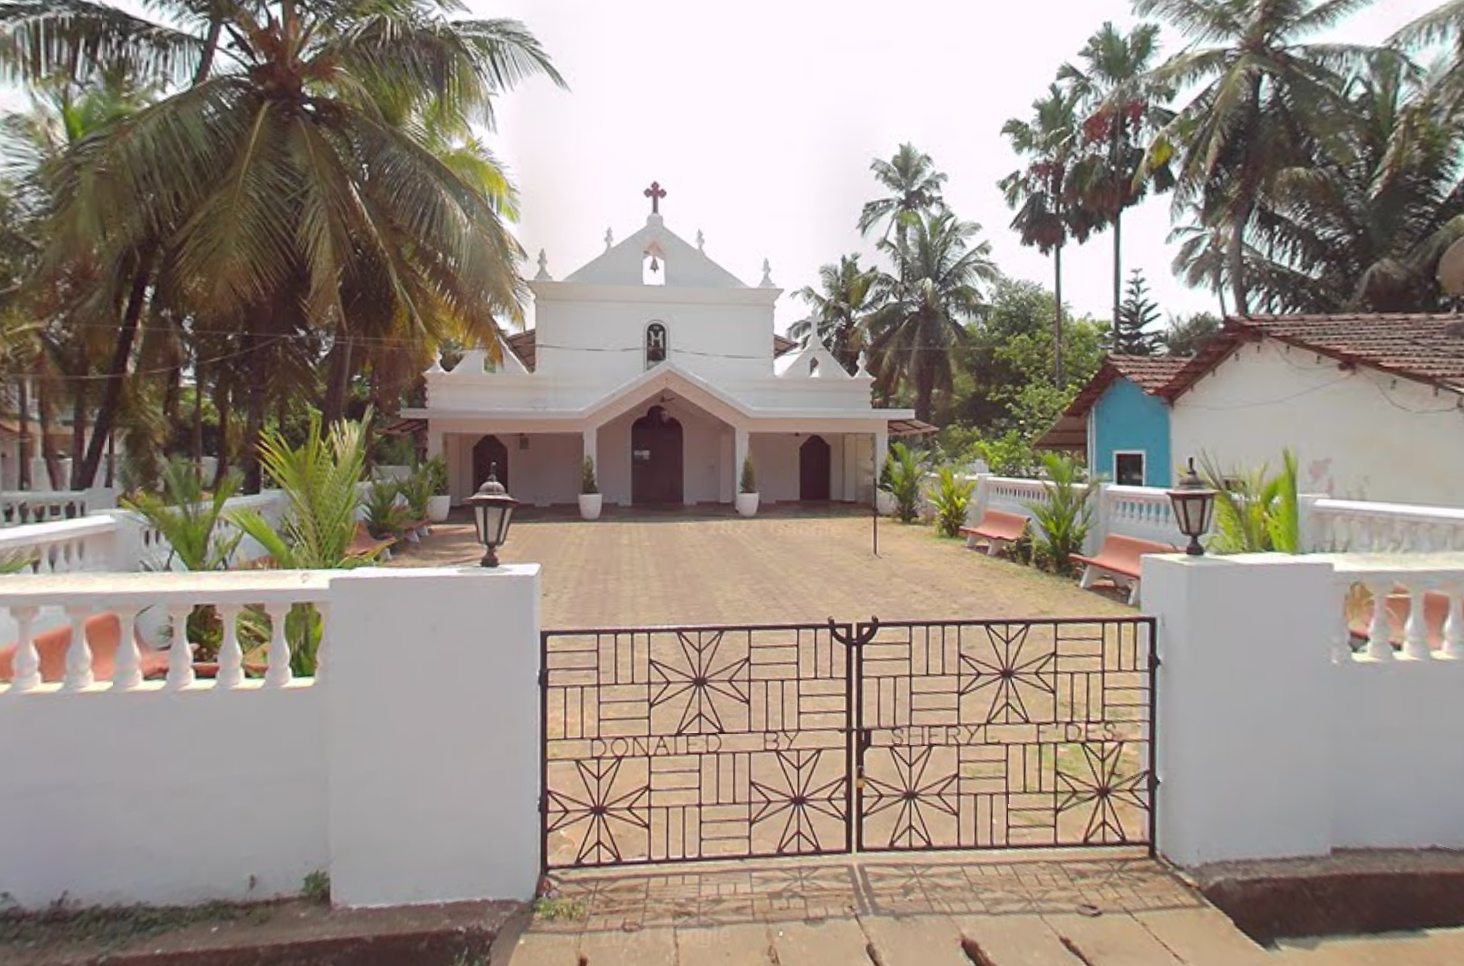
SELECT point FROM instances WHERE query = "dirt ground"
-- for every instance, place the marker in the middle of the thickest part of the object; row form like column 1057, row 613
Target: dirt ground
column 711, row 567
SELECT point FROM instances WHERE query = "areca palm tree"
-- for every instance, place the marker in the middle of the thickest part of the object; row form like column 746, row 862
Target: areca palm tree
column 939, row 268
column 1122, row 108
column 273, row 187
column 1263, row 96
column 1043, row 192
column 841, row 307
column 914, row 187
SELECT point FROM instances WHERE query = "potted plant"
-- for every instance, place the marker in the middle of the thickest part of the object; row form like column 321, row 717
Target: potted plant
column 747, row 491
column 590, row 498
column 440, row 502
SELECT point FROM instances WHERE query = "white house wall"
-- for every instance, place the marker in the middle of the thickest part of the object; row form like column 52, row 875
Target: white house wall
column 1357, row 433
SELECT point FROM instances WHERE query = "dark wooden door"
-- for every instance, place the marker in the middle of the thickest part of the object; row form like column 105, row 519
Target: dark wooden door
column 813, row 469
column 655, row 459
column 489, row 453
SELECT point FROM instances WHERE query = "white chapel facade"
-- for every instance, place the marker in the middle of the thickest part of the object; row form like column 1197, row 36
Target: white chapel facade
column 665, row 369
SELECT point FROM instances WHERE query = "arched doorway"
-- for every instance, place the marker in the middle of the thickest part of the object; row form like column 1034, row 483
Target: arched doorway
column 655, row 459
column 814, row 468
column 490, row 453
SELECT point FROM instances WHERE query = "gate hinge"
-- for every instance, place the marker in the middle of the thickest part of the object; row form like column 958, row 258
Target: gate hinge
column 543, row 677
column 1154, row 661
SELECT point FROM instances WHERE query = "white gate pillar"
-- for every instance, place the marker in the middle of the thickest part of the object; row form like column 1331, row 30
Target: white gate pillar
column 433, row 735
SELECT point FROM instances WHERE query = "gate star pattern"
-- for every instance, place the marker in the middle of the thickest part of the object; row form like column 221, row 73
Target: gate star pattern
column 679, row 744
column 1000, row 734
column 667, row 744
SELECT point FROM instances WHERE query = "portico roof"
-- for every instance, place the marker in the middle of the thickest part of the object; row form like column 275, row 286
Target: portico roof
column 668, row 377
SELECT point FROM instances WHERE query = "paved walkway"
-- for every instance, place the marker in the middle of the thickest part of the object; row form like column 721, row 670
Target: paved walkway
column 679, row 569
column 1032, row 910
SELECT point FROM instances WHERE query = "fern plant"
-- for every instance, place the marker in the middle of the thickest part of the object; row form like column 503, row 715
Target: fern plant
column 901, row 478
column 318, row 481
column 952, row 499
column 1254, row 511
column 192, row 522
column 1064, row 520
column 384, row 515
column 435, row 471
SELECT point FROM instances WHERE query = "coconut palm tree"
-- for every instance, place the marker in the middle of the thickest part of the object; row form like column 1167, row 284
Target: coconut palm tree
column 273, row 185
column 1262, row 97
column 914, row 187
column 1122, row 108
column 1043, row 192
column 939, row 268
column 1442, row 25
column 1368, row 221
column 841, row 307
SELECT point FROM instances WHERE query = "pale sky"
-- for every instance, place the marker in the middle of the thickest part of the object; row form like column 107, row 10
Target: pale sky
column 760, row 119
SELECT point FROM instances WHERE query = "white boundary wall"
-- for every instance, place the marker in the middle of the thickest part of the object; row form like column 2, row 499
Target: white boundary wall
column 1274, row 739
column 408, row 769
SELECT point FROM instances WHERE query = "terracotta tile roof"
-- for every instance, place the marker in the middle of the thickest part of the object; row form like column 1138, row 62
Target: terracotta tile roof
column 1149, row 373
column 524, row 345
column 1425, row 348
column 1152, row 374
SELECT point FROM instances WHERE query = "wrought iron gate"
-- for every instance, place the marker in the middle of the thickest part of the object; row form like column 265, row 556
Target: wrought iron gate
column 692, row 743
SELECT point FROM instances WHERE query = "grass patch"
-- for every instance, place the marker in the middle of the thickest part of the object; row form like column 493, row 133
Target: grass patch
column 109, row 927
column 560, row 909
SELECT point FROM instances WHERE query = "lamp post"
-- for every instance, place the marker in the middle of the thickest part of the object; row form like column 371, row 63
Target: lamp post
column 492, row 515
column 1194, row 504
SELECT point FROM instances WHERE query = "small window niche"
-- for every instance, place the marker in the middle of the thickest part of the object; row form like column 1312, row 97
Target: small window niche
column 1128, row 469
column 657, row 344
column 653, row 265
column 813, row 367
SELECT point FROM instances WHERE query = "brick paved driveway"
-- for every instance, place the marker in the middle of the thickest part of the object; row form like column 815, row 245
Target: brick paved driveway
column 773, row 568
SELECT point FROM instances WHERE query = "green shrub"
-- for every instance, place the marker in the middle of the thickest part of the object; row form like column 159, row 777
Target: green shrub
column 588, row 484
column 385, row 517
column 1254, row 512
column 416, row 489
column 903, row 470
column 952, row 499
column 1061, row 523
column 191, row 522
column 435, row 470
column 749, row 478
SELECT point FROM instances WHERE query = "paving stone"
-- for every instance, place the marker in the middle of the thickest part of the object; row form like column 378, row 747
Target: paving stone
column 916, row 941
column 834, row 942
column 1202, row 937
column 541, row 949
column 1399, row 949
column 1015, row 940
column 1112, row 940
column 614, row 947
column 740, row 945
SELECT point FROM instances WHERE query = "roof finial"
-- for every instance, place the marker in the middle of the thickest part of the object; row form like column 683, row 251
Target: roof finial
column 543, row 275
column 655, row 192
column 700, row 242
column 609, row 239
column 767, row 279
column 863, row 369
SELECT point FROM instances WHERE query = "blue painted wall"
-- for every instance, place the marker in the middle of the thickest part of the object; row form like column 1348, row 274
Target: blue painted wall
column 1125, row 418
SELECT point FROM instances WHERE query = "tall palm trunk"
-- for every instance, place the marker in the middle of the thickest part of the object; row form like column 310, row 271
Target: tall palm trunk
column 1057, row 317
column 1235, row 256
column 47, row 413
column 221, row 405
column 117, row 371
column 23, row 444
column 195, row 448
column 79, row 417
column 1117, row 272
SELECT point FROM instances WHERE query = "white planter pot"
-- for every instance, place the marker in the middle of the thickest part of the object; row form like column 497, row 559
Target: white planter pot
column 438, row 507
column 884, row 502
column 590, row 504
column 747, row 504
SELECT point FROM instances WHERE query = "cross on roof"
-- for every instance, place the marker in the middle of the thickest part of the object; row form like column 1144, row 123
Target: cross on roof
column 655, row 192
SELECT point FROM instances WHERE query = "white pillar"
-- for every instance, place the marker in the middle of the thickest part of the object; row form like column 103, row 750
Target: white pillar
column 881, row 453
column 433, row 735
column 740, row 449
column 1242, row 724
column 591, row 446
column 434, row 443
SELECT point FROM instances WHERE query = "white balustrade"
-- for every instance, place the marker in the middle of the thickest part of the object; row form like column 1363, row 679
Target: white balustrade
column 21, row 507
column 252, row 598
column 62, row 547
column 1407, row 607
column 1142, row 512
column 1358, row 527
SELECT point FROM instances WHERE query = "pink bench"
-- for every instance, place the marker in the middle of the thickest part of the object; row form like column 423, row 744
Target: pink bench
column 998, row 528
column 103, row 633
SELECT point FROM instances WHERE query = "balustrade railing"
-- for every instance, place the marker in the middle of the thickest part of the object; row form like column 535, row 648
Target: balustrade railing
column 146, row 627
column 1359, row 527
column 61, row 547
column 1399, row 606
column 21, row 507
